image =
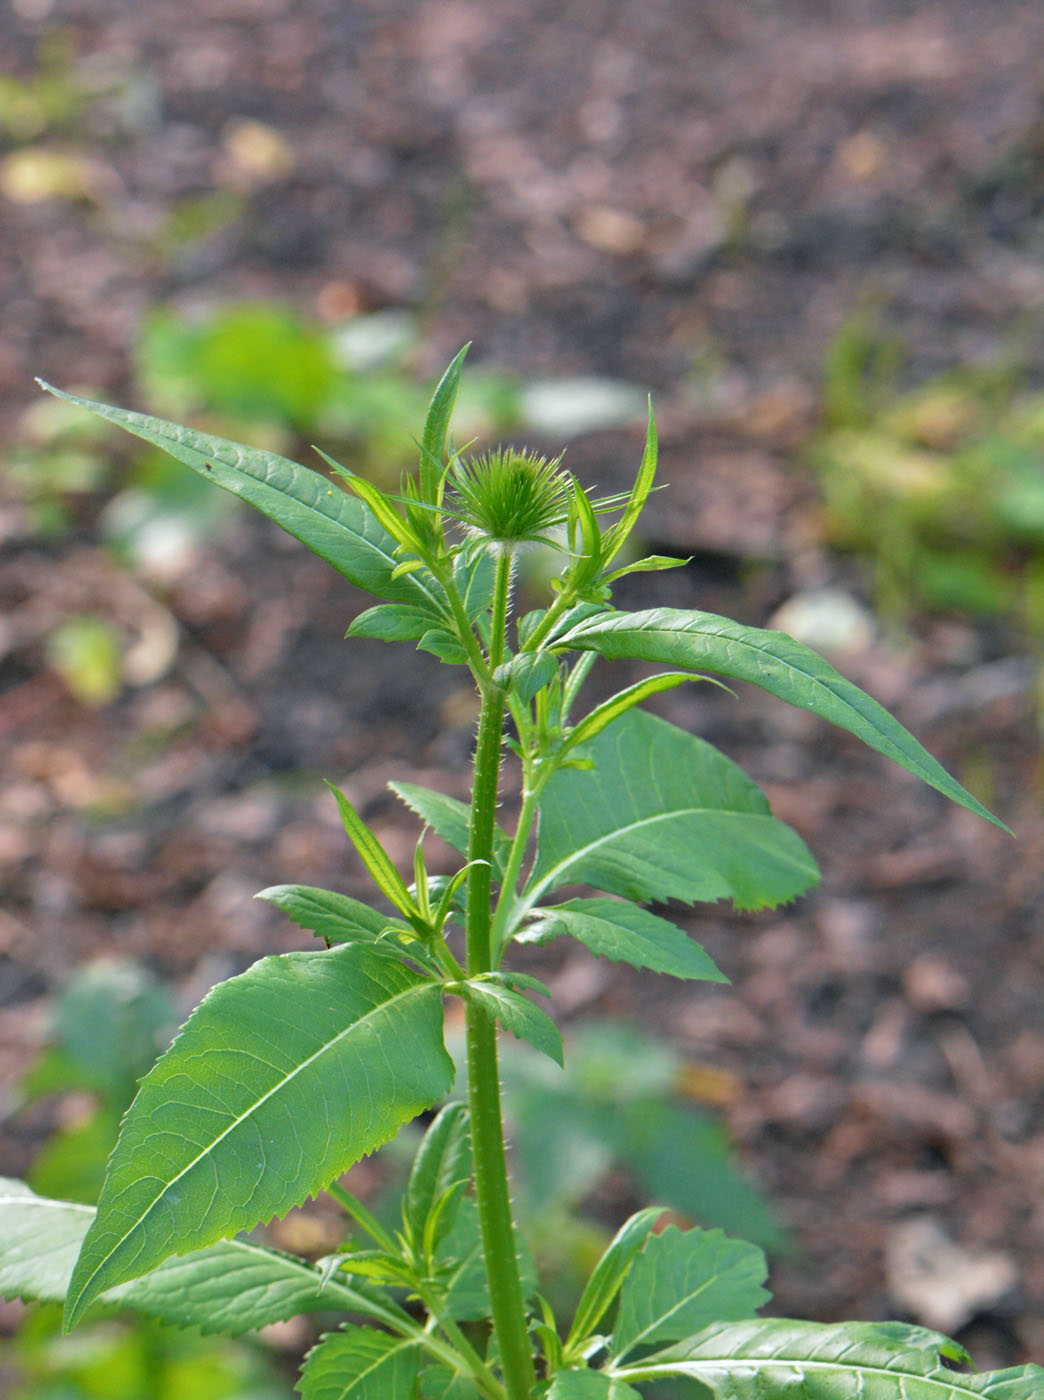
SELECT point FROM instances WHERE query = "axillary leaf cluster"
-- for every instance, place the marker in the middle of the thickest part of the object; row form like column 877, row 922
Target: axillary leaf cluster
column 285, row 1075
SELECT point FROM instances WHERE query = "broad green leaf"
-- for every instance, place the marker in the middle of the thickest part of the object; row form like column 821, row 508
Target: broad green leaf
column 682, row 1282
column 474, row 580
column 278, row 1082
column 327, row 914
column 394, row 622
column 437, row 1383
column 461, row 1270
column 360, row 1364
column 624, row 932
column 515, row 1012
column 704, row 641
column 590, row 1385
column 664, row 815
column 686, row 1159
column 527, row 673
column 436, row 426
column 441, row 642
column 609, row 1273
column 441, row 1168
column 449, row 819
column 842, row 1361
column 374, row 857
column 231, row 1288
column 331, row 523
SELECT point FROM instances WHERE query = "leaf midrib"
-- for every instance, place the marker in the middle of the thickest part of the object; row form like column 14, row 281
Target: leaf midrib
column 334, row 520
column 761, row 1363
column 871, row 718
column 289, row 1262
column 242, row 1118
column 534, row 892
column 671, row 1312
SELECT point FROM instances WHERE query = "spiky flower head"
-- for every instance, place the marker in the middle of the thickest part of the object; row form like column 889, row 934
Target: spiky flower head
column 506, row 498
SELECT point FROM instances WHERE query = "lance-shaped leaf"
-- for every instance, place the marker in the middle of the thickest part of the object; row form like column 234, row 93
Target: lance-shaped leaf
column 441, row 1170
column 624, row 932
column 436, row 426
column 361, row 1364
column 232, row 1287
column 682, row 1282
column 609, row 1273
column 664, row 815
column 844, row 1361
column 330, row 915
column 279, row 1080
column 515, row 1012
column 590, row 1385
column 375, row 857
column 449, row 819
column 336, row 526
column 704, row 641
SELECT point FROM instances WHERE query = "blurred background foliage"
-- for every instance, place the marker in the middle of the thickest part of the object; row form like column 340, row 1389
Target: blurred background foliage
column 817, row 238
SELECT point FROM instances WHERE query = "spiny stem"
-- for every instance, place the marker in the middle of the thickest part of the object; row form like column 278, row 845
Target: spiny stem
column 477, row 1368
column 487, row 1129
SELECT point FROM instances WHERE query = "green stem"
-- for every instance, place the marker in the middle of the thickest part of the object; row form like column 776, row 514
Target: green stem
column 476, row 1367
column 492, row 1192
column 517, row 854
column 465, row 631
column 564, row 601
column 369, row 1222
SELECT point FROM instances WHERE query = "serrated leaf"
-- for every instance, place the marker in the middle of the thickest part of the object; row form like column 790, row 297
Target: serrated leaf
column 331, row 523
column 326, row 913
column 624, row 932
column 843, row 1361
column 441, row 642
column 664, row 815
column 279, row 1080
column 590, row 1385
column 449, row 819
column 609, row 1273
column 682, row 1282
column 360, row 1364
column 703, row 641
column 437, row 1383
column 394, row 622
column 516, row 1013
column 441, row 1166
column 231, row 1288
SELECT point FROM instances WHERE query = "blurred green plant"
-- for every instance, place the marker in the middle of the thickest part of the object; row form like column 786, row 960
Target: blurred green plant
column 51, row 98
column 622, row 1108
column 110, row 1022
column 940, row 487
column 87, row 653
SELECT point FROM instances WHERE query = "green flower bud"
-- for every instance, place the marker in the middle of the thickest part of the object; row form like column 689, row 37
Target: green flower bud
column 506, row 498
